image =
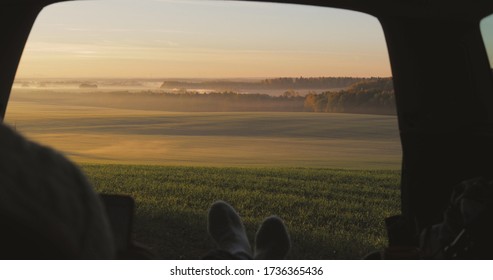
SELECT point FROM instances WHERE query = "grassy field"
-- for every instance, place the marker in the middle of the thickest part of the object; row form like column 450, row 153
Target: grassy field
column 332, row 177
column 331, row 214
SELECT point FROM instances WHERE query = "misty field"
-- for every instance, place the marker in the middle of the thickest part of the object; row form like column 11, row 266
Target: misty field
column 332, row 177
column 104, row 132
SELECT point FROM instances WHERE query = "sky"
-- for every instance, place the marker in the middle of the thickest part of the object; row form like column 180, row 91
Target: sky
column 201, row 39
column 487, row 32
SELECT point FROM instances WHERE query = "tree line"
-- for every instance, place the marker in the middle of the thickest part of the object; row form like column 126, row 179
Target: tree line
column 311, row 82
column 366, row 96
column 372, row 96
column 191, row 101
column 275, row 83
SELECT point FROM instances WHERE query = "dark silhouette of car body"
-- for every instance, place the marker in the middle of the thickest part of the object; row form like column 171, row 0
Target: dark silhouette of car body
column 442, row 79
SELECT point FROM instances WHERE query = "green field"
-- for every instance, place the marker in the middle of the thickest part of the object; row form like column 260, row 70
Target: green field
column 332, row 177
column 331, row 214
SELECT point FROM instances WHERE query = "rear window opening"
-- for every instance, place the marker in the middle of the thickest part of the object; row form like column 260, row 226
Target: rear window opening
column 487, row 33
column 275, row 108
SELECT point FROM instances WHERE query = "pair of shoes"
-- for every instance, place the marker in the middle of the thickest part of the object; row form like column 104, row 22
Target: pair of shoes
column 226, row 228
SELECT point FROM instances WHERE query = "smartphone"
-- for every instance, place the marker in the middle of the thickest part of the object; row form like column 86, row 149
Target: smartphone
column 120, row 212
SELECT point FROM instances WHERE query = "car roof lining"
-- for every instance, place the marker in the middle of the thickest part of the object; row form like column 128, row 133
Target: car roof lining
column 464, row 10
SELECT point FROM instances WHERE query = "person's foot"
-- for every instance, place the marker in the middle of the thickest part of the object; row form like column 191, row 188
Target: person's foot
column 227, row 230
column 272, row 240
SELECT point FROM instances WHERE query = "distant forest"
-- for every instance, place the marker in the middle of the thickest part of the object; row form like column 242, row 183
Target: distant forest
column 365, row 96
column 307, row 83
column 178, row 102
column 372, row 96
column 277, row 83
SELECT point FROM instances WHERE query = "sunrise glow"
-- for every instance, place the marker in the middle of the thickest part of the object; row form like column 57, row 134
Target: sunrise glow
column 193, row 39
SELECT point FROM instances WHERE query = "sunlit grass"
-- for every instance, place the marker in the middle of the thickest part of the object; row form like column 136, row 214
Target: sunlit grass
column 331, row 214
